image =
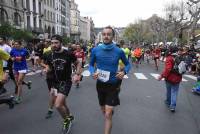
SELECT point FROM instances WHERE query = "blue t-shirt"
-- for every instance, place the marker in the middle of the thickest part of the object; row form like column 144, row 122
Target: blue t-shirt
column 20, row 58
column 107, row 59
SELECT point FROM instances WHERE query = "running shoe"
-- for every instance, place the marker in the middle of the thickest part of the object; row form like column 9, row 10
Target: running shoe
column 18, row 100
column 49, row 114
column 3, row 90
column 67, row 125
column 29, row 84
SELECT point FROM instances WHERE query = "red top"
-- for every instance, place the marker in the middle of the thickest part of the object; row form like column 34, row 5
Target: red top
column 170, row 76
column 156, row 52
column 80, row 55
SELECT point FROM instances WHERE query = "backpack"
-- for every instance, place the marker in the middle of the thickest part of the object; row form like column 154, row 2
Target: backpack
column 179, row 65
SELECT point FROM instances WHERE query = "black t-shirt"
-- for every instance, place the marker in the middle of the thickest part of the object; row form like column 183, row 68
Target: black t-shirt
column 60, row 64
column 38, row 50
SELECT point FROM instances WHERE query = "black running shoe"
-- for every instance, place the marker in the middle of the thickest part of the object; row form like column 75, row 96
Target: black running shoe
column 29, row 84
column 172, row 110
column 10, row 102
column 71, row 118
column 3, row 90
column 49, row 114
column 67, row 126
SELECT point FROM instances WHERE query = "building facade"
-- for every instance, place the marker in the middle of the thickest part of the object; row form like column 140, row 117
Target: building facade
column 62, row 17
column 85, row 28
column 34, row 15
column 49, row 18
column 12, row 12
column 92, row 31
column 74, row 21
column 68, row 18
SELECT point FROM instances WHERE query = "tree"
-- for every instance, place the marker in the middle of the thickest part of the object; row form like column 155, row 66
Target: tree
column 17, row 34
column 66, row 40
column 176, row 14
column 137, row 32
column 194, row 12
column 6, row 30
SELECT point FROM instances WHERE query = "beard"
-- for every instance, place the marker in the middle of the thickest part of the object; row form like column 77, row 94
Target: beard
column 56, row 49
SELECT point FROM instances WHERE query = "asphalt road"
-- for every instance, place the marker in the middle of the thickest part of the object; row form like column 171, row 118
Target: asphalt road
column 142, row 109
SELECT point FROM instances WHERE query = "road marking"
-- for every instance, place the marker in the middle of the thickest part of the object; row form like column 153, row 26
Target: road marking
column 33, row 73
column 125, row 77
column 140, row 76
column 86, row 73
column 191, row 77
column 184, row 79
column 155, row 76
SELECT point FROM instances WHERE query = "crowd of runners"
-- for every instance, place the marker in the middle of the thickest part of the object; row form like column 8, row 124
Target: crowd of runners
column 108, row 64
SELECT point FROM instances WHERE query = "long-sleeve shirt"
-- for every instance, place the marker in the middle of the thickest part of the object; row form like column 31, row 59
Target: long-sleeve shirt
column 107, row 58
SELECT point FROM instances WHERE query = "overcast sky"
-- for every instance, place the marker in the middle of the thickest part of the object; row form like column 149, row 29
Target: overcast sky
column 120, row 13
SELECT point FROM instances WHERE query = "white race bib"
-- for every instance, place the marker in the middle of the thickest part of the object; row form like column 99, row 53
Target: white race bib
column 103, row 75
column 54, row 91
column 80, row 60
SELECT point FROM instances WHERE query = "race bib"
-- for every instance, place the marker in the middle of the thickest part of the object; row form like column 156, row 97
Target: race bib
column 55, row 91
column 80, row 60
column 103, row 75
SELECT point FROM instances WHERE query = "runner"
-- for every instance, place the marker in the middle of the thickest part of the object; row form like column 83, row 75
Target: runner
column 6, row 48
column 106, row 57
column 80, row 55
column 49, row 79
column 59, row 62
column 8, row 101
column 137, row 53
column 147, row 54
column 19, row 55
column 156, row 56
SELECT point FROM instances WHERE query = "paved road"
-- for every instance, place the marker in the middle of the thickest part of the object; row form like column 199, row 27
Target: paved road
column 142, row 110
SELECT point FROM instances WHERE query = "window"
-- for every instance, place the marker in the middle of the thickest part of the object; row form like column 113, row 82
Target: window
column 51, row 17
column 50, row 3
column 17, row 19
column 40, row 8
column 3, row 16
column 53, row 4
column 15, row 3
column 28, row 5
column 28, row 22
column 34, row 22
column 34, row 6
column 45, row 13
column 40, row 23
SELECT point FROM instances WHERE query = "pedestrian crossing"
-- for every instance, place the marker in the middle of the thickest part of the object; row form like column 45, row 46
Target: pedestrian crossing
column 142, row 76
column 139, row 76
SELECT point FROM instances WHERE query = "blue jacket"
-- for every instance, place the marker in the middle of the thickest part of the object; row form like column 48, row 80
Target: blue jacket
column 107, row 58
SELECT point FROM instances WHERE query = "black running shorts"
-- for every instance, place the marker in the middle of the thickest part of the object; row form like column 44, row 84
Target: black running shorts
column 50, row 83
column 108, row 94
column 63, row 87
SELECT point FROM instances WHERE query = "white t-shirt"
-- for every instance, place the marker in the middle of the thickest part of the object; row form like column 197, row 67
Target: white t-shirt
column 6, row 48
